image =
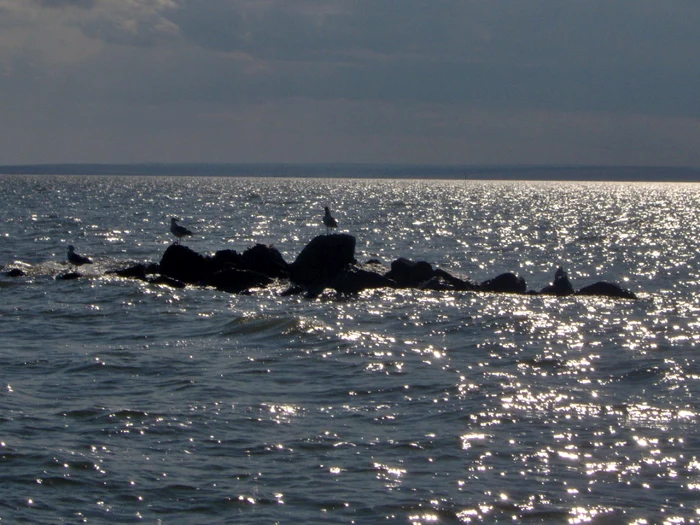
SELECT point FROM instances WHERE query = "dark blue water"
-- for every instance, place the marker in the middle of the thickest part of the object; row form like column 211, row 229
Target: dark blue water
column 127, row 402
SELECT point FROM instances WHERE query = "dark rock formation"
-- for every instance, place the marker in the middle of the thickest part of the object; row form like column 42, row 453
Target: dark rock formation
column 168, row 281
column 184, row 264
column 407, row 273
column 293, row 290
column 504, row 283
column 265, row 260
column 328, row 261
column 606, row 289
column 68, row 276
column 138, row 271
column 236, row 281
column 226, row 270
column 561, row 285
column 323, row 259
column 224, row 259
column 455, row 283
column 15, row 272
column 352, row 280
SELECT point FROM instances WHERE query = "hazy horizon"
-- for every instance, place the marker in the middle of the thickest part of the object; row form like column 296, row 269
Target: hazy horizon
column 366, row 170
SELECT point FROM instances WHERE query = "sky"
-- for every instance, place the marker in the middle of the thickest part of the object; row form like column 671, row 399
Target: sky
column 466, row 82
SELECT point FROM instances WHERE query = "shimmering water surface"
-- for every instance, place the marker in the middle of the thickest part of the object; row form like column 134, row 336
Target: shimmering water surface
column 128, row 402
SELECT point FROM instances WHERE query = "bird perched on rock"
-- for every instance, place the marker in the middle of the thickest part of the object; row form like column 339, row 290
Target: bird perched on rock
column 177, row 230
column 77, row 259
column 329, row 221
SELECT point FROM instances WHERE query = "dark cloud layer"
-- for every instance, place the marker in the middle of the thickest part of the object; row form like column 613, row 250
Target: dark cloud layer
column 527, row 74
column 622, row 56
column 83, row 4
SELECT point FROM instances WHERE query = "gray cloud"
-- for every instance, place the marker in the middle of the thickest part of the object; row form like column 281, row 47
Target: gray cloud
column 625, row 56
column 343, row 71
column 83, row 4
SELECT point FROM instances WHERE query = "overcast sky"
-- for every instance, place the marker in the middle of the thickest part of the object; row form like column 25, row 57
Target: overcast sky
column 391, row 81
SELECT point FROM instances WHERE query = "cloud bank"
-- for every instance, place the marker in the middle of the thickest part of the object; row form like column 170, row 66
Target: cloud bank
column 447, row 81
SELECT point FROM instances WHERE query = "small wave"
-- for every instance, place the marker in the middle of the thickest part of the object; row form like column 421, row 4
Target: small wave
column 543, row 362
column 84, row 414
column 59, row 481
column 640, row 375
column 266, row 326
column 130, row 414
column 101, row 367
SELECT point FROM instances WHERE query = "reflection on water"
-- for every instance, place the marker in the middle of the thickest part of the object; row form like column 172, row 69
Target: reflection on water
column 129, row 401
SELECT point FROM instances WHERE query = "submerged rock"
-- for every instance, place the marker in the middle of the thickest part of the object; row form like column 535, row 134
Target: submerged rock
column 323, row 259
column 68, row 276
column 606, row 289
column 504, row 283
column 15, row 272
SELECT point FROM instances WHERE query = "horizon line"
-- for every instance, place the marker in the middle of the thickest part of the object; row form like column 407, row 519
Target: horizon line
column 368, row 170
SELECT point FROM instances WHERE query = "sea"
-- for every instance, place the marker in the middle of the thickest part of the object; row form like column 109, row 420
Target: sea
column 123, row 401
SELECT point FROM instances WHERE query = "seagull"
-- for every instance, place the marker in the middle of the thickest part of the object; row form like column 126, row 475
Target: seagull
column 177, row 230
column 77, row 259
column 329, row 221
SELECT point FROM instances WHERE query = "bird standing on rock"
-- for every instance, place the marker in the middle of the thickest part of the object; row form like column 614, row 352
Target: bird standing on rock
column 177, row 230
column 76, row 259
column 329, row 221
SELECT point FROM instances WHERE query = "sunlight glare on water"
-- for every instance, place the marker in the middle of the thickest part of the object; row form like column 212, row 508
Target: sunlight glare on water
column 126, row 401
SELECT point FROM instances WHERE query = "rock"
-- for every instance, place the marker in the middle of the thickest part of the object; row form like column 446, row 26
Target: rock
column 266, row 260
column 293, row 290
column 68, row 276
column 504, row 283
column 561, row 285
column 236, row 281
column 168, row 281
column 606, row 289
column 226, row 270
column 353, row 280
column 224, row 259
column 455, row 283
column 407, row 273
column 437, row 284
column 138, row 271
column 184, row 264
column 322, row 260
column 15, row 272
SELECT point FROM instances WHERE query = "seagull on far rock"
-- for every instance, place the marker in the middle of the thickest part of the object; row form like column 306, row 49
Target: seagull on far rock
column 177, row 230
column 77, row 259
column 329, row 221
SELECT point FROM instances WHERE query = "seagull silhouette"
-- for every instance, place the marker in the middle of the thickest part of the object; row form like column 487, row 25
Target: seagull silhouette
column 177, row 230
column 329, row 221
column 77, row 259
